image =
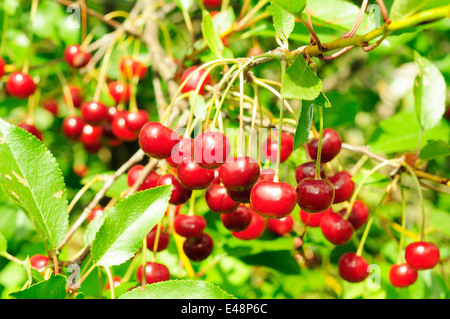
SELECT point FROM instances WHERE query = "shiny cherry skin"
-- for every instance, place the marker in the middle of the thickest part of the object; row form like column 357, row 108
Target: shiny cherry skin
column 91, row 135
column 163, row 240
column 136, row 120
column 198, row 248
column 306, row 170
column 402, row 275
column 270, row 147
column 191, row 84
column 31, row 129
column 218, row 200
column 239, row 173
column 267, row 174
column 343, row 186
column 273, row 199
column 254, row 230
column 2, row 67
column 212, row 3
column 121, row 130
column 422, row 255
column 119, row 91
column 75, row 95
column 242, row 197
column 180, row 195
column 192, row 176
column 154, row 272
column 313, row 219
column 72, row 127
column 76, row 57
column 182, row 150
column 314, row 195
column 150, row 181
column 238, row 220
column 353, row 268
column 97, row 211
column 282, row 226
column 117, row 280
column 211, row 149
column 39, row 261
column 336, row 229
column 157, row 140
column 331, row 146
column 189, row 226
column 93, row 112
column 20, row 85
column 51, row 105
column 358, row 216
column 130, row 67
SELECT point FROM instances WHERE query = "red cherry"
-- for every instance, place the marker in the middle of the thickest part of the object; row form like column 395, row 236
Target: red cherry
column 267, row 174
column 31, row 129
column 192, row 176
column 136, row 120
column 272, row 199
column 358, row 216
column 75, row 94
column 39, row 261
column 422, row 255
column 313, row 219
column 218, row 200
column 189, row 226
column 191, row 84
column 97, row 211
column 154, row 272
column 336, row 229
column 343, row 186
column 242, row 197
column 306, row 170
column 91, row 135
column 270, row 147
column 150, row 181
column 402, row 275
column 180, row 195
column 331, row 145
column 120, row 129
column 314, row 195
column 130, row 67
column 211, row 149
column 238, row 220
column 76, row 57
column 20, row 85
column 94, row 112
column 182, row 150
column 163, row 240
column 94, row 147
column 212, row 3
column 2, row 67
column 353, row 268
column 119, row 91
column 117, row 280
column 254, row 230
column 281, row 226
column 51, row 105
column 157, row 140
column 72, row 127
column 239, row 173
column 198, row 248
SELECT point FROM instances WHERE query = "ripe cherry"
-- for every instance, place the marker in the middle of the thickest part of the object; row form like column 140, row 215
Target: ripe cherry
column 30, row 128
column 218, row 200
column 136, row 120
column 119, row 91
column 402, row 275
column 20, row 85
column 191, row 84
column 91, row 135
column 97, row 211
column 336, row 229
column 331, row 145
column 422, row 255
column 238, row 220
column 163, row 240
column 314, row 195
column 270, row 147
column 2, row 67
column 242, row 197
column 39, row 261
column 189, row 226
column 212, row 3
column 211, row 149
column 117, row 280
column 281, row 226
column 51, row 105
column 72, row 127
column 94, row 112
column 157, row 140
column 273, row 199
column 94, row 147
column 130, row 67
column 313, row 219
column 267, row 174
column 121, row 130
column 182, row 150
column 343, row 186
column 75, row 95
column 192, row 176
column 180, row 195
column 239, row 173
column 154, row 272
column 353, row 268
column 198, row 248
column 76, row 57
column 254, row 230
column 358, row 216
column 150, row 181
column 306, row 170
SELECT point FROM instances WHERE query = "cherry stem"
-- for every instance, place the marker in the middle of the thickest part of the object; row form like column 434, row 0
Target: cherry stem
column 253, row 123
column 111, row 281
column 155, row 244
column 144, row 261
column 364, row 236
column 191, row 211
column 402, row 234
column 103, row 69
column 241, row 115
column 82, row 191
column 358, row 20
column 319, row 149
column 276, row 178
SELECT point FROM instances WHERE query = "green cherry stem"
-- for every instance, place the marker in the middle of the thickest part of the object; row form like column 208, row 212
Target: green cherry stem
column 276, row 178
column 402, row 234
column 364, row 236
column 144, row 261
column 319, row 149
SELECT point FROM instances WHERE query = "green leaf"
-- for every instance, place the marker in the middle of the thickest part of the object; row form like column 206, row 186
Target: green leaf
column 126, row 225
column 32, row 274
column 178, row 289
column 337, row 14
column 199, row 107
column 224, row 20
column 32, row 178
column 283, row 22
column 53, row 288
column 434, row 150
column 210, row 35
column 10, row 6
column 300, row 82
column 304, row 124
column 294, row 7
column 403, row 8
column 117, row 188
column 3, row 244
column 429, row 93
